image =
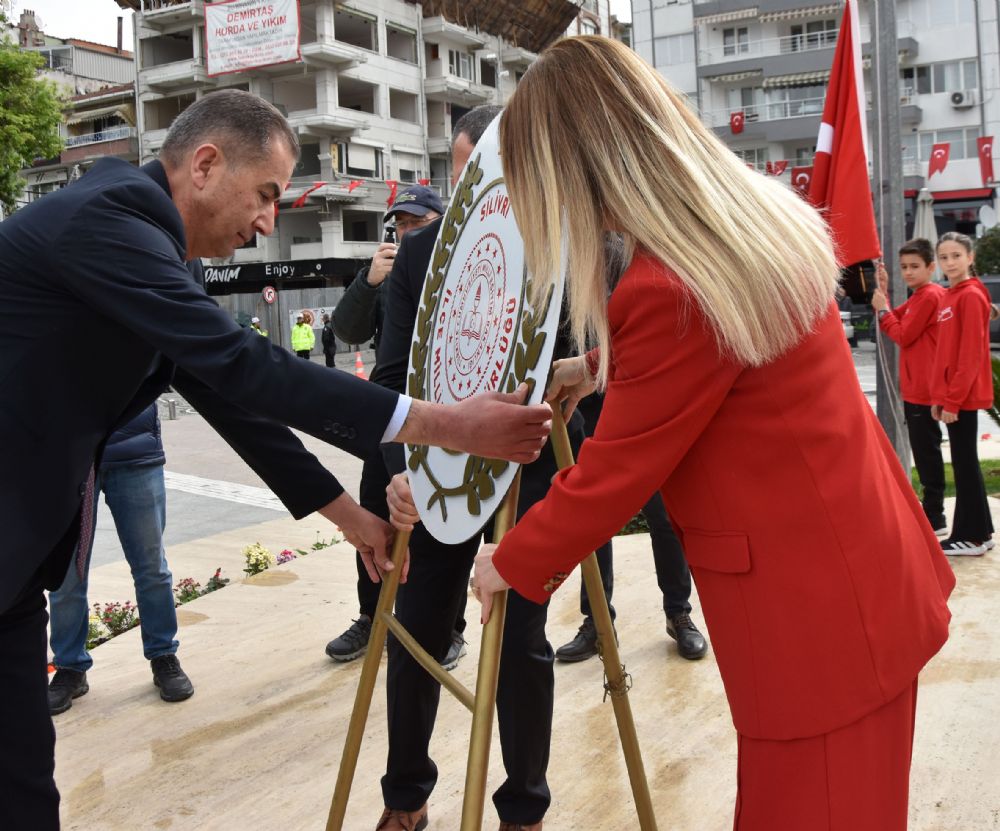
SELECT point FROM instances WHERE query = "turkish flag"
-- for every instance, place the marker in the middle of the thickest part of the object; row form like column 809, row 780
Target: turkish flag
column 423, row 182
column 801, row 179
column 393, row 186
column 840, row 186
column 736, row 121
column 776, row 168
column 354, row 183
column 985, row 145
column 940, row 154
column 301, row 201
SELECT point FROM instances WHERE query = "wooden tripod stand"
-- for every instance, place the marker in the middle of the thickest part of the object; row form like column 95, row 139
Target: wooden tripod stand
column 483, row 702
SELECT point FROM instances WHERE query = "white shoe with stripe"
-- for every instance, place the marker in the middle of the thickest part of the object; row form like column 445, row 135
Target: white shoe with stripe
column 962, row 548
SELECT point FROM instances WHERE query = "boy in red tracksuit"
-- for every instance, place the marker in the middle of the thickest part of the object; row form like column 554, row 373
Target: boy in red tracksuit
column 913, row 325
column 962, row 384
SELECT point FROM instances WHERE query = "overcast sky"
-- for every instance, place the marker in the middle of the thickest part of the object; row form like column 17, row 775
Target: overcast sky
column 96, row 20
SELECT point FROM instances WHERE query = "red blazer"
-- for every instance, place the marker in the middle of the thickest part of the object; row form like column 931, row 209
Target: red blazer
column 913, row 325
column 963, row 377
column 822, row 584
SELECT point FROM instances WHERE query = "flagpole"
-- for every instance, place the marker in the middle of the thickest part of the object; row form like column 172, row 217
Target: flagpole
column 888, row 191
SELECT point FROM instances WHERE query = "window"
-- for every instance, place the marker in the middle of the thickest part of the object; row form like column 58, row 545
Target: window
column 403, row 105
column 675, row 49
column 408, row 167
column 735, row 41
column 460, row 64
column 360, row 226
column 364, row 161
column 353, row 94
column 962, row 141
column 941, row 77
column 588, row 26
column 308, row 161
column 804, row 155
column 791, row 102
column 756, row 157
column 816, row 34
column 400, row 43
column 487, row 74
column 747, row 99
column 355, row 28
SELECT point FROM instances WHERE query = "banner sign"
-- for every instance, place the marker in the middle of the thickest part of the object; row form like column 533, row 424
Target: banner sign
column 244, row 34
column 476, row 331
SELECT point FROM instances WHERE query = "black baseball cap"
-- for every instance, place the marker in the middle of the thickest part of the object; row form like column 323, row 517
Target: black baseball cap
column 417, row 200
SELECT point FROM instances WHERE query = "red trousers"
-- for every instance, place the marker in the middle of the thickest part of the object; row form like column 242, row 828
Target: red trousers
column 855, row 778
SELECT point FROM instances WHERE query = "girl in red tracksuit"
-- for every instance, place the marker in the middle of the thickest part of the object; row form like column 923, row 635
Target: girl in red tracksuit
column 913, row 325
column 962, row 385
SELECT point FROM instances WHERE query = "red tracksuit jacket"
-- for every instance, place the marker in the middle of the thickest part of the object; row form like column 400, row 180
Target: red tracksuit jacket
column 913, row 325
column 962, row 378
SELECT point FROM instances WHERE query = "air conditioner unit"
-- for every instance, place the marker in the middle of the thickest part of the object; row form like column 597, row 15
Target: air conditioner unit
column 962, row 99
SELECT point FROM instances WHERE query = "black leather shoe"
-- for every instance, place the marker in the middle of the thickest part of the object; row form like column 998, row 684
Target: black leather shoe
column 691, row 643
column 66, row 685
column 171, row 679
column 352, row 642
column 582, row 647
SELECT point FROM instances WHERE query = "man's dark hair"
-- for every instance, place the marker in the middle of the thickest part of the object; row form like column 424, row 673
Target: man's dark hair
column 919, row 247
column 475, row 122
column 243, row 125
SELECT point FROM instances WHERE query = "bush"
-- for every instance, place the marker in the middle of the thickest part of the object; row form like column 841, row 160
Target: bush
column 988, row 252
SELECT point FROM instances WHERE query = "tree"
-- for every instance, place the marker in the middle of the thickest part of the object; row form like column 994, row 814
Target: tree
column 988, row 252
column 30, row 114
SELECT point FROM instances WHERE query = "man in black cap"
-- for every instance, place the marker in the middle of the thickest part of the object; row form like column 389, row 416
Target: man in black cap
column 358, row 317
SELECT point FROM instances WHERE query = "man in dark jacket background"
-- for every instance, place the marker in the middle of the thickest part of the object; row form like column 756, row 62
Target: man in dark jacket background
column 131, row 477
column 329, row 342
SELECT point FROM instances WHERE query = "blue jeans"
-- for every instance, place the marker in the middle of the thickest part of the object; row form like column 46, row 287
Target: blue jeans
column 137, row 499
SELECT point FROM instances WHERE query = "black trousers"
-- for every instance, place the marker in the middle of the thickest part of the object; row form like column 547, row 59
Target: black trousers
column 374, row 480
column 29, row 800
column 303, row 353
column 426, row 605
column 925, row 441
column 672, row 573
column 972, row 522
column 330, row 358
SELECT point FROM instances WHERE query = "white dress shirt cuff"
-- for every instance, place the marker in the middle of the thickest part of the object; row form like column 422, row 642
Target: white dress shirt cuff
column 398, row 417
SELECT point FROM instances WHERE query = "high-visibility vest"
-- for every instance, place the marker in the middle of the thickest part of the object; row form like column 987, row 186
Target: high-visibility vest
column 303, row 337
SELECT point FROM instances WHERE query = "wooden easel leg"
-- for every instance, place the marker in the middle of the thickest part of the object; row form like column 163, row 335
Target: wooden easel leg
column 486, row 683
column 366, row 687
column 618, row 681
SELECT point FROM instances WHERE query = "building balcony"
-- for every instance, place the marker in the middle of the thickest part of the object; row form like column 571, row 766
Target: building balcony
column 333, row 53
column 152, row 140
column 439, row 30
column 766, row 47
column 334, row 192
column 517, row 56
column 776, row 122
column 357, row 250
column 124, row 147
column 306, row 251
column 454, row 90
column 910, row 112
column 339, row 122
column 193, row 12
column 112, row 134
column 439, row 146
column 175, row 75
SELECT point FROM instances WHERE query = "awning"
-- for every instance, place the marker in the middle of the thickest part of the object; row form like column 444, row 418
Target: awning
column 725, row 17
column 124, row 111
column 736, row 76
column 798, row 79
column 955, row 195
column 824, row 10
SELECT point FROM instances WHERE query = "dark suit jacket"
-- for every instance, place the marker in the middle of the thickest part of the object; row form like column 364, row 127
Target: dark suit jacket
column 98, row 308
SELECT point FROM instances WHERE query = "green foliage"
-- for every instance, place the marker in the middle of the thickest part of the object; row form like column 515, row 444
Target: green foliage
column 636, row 525
column 991, row 477
column 994, row 411
column 30, row 114
column 988, row 252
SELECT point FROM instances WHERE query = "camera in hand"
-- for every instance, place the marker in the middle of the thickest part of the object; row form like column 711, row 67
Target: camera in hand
column 390, row 233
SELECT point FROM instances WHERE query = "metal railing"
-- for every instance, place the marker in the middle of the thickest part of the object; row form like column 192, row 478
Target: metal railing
column 112, row 134
column 773, row 111
column 763, row 47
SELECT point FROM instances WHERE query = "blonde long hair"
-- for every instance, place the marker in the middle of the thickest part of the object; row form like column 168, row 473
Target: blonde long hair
column 596, row 138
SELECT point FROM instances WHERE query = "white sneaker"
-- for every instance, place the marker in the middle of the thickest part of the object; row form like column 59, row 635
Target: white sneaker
column 961, row 548
column 941, row 532
column 989, row 544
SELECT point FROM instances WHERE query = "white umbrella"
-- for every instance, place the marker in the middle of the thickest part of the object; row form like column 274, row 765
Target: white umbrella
column 924, row 225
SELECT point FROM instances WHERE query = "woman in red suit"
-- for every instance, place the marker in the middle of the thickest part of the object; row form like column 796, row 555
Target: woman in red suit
column 730, row 388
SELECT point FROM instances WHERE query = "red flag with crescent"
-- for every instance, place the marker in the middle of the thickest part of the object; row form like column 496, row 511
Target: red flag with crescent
column 839, row 186
column 423, row 182
column 393, row 186
column 776, row 168
column 801, row 178
column 985, row 145
column 354, row 183
column 736, row 121
column 940, row 153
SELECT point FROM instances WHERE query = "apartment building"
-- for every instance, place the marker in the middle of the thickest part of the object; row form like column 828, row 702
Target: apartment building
column 100, row 120
column 373, row 98
column 770, row 60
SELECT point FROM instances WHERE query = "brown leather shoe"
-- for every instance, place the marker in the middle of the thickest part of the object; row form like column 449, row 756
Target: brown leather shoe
column 395, row 820
column 513, row 826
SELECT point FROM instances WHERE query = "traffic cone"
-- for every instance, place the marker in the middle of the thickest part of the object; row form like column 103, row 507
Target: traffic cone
column 359, row 366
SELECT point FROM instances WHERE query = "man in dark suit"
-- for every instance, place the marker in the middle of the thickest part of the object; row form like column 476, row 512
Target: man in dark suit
column 98, row 309
column 427, row 605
